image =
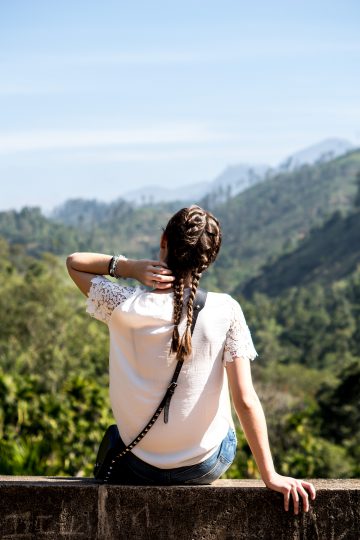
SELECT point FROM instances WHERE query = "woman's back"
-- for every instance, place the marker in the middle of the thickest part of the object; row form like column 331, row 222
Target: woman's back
column 141, row 327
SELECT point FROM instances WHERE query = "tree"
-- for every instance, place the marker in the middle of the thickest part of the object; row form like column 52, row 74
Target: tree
column 357, row 196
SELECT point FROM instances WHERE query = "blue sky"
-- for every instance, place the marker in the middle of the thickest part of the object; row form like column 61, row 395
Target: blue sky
column 99, row 98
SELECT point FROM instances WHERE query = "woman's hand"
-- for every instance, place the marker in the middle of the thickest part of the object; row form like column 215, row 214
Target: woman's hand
column 153, row 274
column 291, row 487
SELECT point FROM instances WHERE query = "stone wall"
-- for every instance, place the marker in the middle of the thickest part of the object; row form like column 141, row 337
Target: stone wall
column 73, row 508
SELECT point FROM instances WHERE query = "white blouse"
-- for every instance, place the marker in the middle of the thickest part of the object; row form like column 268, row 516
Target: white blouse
column 140, row 326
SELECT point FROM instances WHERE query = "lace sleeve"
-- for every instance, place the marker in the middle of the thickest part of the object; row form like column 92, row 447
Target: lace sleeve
column 238, row 343
column 104, row 296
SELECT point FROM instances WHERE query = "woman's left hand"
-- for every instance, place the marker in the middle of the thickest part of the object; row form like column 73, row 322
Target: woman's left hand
column 153, row 274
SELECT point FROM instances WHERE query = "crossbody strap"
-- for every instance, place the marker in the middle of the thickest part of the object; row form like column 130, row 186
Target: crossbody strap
column 199, row 303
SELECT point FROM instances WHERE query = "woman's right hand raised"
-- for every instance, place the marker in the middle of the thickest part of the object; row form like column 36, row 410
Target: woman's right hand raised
column 292, row 487
column 151, row 273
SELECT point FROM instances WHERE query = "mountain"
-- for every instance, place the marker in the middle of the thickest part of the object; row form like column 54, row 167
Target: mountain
column 154, row 194
column 272, row 217
column 330, row 253
column 317, row 153
column 233, row 180
column 237, row 178
column 262, row 223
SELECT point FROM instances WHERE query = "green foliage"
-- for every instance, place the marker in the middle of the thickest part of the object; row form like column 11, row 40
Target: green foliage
column 53, row 374
column 357, row 198
column 314, row 326
column 304, row 453
column 53, row 371
column 259, row 225
column 29, row 228
column 339, row 411
column 329, row 253
column 244, row 465
column 116, row 227
column 307, row 376
column 51, row 433
column 46, row 331
column 275, row 215
column 53, row 356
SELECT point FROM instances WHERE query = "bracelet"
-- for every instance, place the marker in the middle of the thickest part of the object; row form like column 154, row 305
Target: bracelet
column 113, row 263
column 110, row 265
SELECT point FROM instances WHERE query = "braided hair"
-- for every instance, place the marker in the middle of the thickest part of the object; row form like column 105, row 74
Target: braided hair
column 193, row 242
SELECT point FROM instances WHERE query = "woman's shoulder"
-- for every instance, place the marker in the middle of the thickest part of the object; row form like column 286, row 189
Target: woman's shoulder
column 105, row 295
column 221, row 301
column 221, row 298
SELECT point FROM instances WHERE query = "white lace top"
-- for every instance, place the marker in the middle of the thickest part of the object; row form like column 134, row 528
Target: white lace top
column 140, row 327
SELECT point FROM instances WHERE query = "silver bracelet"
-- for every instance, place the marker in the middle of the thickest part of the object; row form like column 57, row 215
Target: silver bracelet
column 113, row 264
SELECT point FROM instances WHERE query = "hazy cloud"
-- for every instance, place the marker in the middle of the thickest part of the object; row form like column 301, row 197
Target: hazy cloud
column 57, row 139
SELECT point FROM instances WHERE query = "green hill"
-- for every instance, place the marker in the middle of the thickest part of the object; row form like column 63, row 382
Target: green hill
column 330, row 253
column 54, row 357
column 261, row 224
column 274, row 216
column 33, row 233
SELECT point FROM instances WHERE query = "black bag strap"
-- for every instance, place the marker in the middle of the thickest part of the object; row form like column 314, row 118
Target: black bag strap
column 199, row 303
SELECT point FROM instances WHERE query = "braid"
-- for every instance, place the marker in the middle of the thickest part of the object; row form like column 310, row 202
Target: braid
column 185, row 348
column 193, row 241
column 190, row 307
column 178, row 305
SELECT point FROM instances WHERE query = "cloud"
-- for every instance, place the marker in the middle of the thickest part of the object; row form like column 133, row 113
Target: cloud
column 136, row 58
column 246, row 48
column 37, row 140
column 29, row 88
column 111, row 58
column 140, row 155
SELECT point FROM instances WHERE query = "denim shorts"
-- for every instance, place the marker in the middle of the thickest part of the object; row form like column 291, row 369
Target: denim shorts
column 133, row 471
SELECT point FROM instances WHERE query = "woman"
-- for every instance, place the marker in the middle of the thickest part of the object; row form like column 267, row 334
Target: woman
column 149, row 332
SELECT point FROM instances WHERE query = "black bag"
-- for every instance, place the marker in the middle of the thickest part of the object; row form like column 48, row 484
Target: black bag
column 111, row 447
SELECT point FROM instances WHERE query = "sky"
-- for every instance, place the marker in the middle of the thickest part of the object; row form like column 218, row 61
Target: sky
column 100, row 98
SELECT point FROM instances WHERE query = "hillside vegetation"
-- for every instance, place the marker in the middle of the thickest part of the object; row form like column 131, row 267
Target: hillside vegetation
column 54, row 404
column 329, row 253
column 30, row 230
column 259, row 225
column 274, row 216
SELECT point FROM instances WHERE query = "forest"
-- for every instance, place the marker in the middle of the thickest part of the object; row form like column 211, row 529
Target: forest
column 54, row 404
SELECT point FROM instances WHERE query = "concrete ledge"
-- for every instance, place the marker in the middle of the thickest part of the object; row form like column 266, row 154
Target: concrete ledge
column 55, row 508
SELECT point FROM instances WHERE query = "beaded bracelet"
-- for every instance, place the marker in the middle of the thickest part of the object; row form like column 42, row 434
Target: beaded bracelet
column 113, row 263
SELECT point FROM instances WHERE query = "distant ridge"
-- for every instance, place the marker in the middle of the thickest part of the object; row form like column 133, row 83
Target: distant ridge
column 264, row 222
column 321, row 152
column 274, row 216
column 155, row 193
column 236, row 178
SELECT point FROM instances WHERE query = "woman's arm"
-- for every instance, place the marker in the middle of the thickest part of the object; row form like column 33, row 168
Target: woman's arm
column 252, row 419
column 83, row 266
